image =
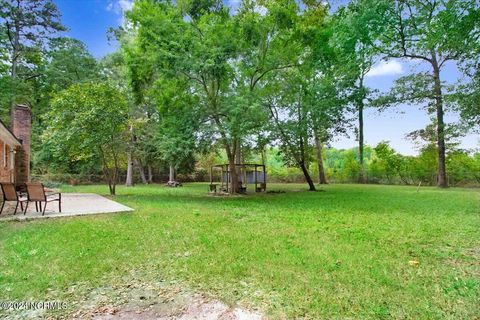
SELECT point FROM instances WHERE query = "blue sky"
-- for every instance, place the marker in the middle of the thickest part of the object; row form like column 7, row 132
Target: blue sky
column 89, row 21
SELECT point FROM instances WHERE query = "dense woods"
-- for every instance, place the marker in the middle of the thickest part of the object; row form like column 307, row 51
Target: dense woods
column 195, row 83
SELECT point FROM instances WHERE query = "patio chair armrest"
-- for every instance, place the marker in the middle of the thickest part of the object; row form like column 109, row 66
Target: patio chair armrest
column 53, row 196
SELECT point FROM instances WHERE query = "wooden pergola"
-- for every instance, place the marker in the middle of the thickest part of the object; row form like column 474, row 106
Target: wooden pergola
column 257, row 175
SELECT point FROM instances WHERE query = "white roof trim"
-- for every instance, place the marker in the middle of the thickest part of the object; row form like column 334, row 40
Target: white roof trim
column 8, row 137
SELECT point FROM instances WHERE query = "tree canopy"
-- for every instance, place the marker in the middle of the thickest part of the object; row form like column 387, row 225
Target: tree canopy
column 86, row 121
column 197, row 80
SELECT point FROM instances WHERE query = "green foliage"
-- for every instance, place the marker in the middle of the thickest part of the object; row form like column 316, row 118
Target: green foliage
column 343, row 165
column 35, row 64
column 175, row 137
column 434, row 33
column 67, row 62
column 391, row 164
column 270, row 75
column 467, row 101
column 464, row 168
column 192, row 43
column 382, row 165
column 27, row 25
column 89, row 121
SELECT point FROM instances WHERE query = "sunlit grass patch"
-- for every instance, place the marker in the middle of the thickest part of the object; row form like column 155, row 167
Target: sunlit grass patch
column 345, row 252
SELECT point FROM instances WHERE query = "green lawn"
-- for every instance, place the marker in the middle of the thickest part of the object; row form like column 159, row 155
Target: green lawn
column 340, row 253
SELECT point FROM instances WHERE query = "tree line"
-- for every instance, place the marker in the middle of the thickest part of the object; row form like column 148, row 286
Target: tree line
column 382, row 165
column 194, row 76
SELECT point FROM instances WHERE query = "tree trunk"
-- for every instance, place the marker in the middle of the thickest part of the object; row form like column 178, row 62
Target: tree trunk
column 321, row 171
column 233, row 172
column 303, row 141
column 129, row 179
column 171, row 174
column 15, row 57
column 238, row 154
column 111, row 179
column 115, row 174
column 16, row 47
column 16, row 42
column 238, row 159
column 361, row 144
column 150, row 174
column 141, row 172
column 361, row 106
column 264, row 155
column 437, row 88
column 109, row 174
column 307, row 177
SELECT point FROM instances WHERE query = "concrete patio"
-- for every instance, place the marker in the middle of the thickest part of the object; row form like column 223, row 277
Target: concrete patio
column 73, row 204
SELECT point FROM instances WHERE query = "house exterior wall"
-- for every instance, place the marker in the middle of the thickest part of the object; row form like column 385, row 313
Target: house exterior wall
column 15, row 147
column 6, row 163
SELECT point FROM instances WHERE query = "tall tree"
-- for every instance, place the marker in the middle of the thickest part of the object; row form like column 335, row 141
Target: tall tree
column 178, row 124
column 358, row 53
column 328, row 101
column 286, row 103
column 328, row 80
column 195, row 49
column 434, row 32
column 264, row 31
column 193, row 41
column 66, row 62
column 28, row 24
column 89, row 120
column 130, row 71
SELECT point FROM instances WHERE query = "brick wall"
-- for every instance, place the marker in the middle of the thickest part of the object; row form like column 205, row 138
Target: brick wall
column 6, row 167
column 21, row 128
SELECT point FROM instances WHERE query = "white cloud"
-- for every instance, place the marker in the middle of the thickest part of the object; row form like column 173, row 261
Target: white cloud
column 261, row 10
column 125, row 5
column 233, row 5
column 386, row 68
column 119, row 7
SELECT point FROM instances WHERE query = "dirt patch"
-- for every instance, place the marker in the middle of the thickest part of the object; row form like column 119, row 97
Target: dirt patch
column 195, row 308
column 144, row 302
column 137, row 295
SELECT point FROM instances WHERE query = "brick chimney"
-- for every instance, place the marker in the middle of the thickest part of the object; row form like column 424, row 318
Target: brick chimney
column 22, row 129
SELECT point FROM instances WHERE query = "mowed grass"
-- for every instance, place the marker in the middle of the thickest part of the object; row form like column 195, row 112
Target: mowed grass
column 345, row 252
